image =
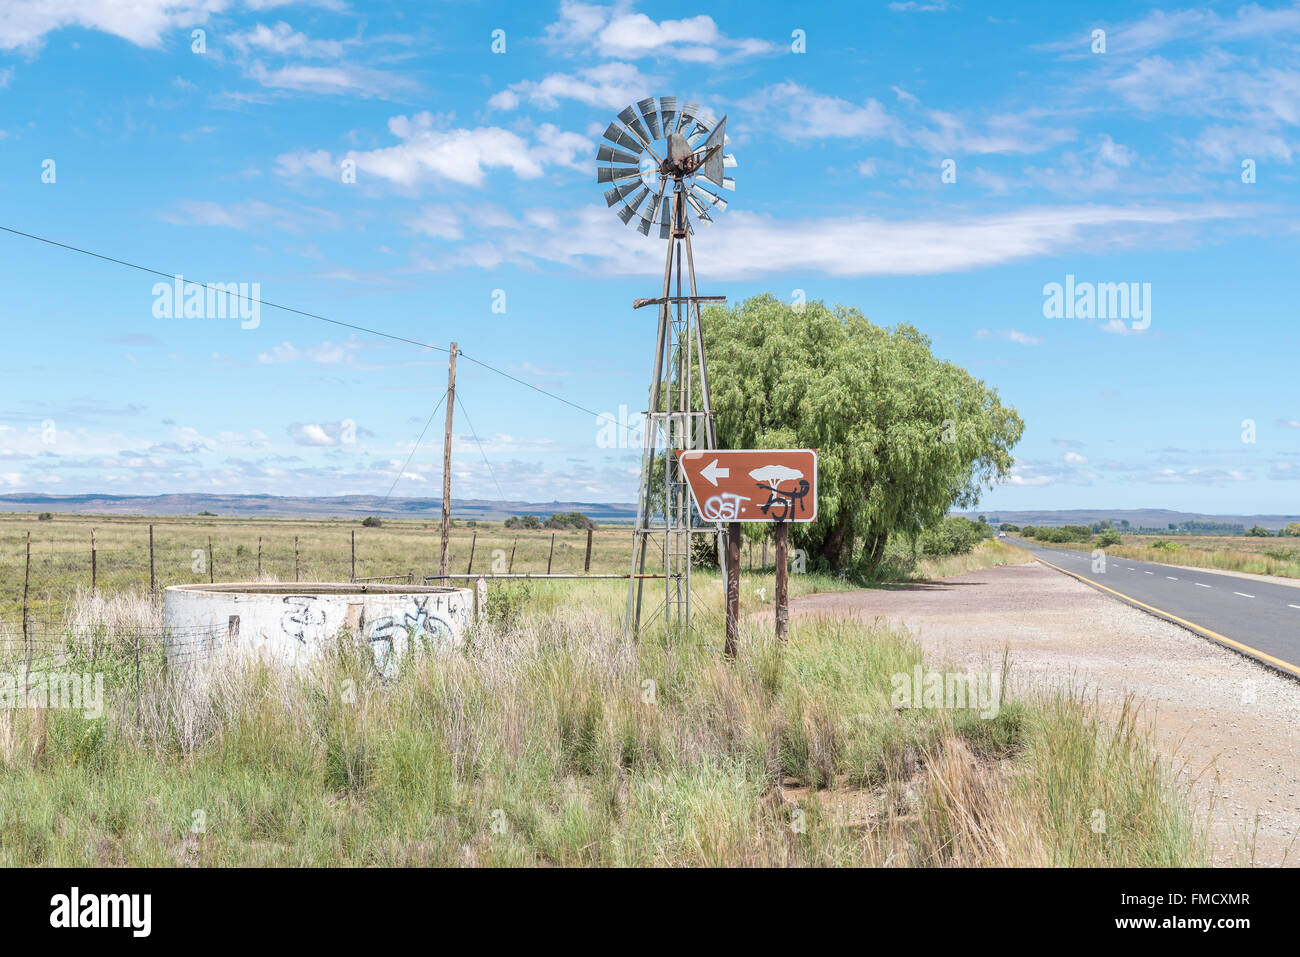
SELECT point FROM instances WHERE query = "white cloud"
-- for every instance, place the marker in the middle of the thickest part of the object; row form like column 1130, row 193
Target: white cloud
column 282, row 39
column 615, row 31
column 338, row 78
column 751, row 245
column 1074, row 458
column 610, row 86
column 24, row 23
column 1012, row 335
column 323, row 353
column 427, row 152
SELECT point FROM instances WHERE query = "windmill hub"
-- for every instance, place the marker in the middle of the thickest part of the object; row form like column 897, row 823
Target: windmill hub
column 656, row 143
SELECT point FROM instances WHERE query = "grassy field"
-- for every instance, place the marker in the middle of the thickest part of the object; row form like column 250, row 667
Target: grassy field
column 548, row 740
column 1259, row 556
column 61, row 559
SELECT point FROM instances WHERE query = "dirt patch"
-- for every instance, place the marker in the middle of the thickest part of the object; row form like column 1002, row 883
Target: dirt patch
column 1231, row 726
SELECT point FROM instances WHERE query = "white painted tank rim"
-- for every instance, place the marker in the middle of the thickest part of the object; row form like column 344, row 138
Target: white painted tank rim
column 313, row 588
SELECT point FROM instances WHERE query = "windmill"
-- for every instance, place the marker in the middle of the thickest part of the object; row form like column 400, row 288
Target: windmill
column 658, row 162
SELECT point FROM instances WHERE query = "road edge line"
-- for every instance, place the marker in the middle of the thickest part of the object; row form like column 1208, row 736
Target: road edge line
column 1277, row 664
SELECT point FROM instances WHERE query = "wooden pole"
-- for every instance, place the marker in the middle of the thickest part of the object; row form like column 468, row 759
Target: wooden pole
column 551, row 555
column 586, row 564
column 94, row 565
column 764, row 565
column 782, row 580
column 354, row 554
column 295, row 559
column 153, row 587
column 446, row 461
column 472, row 542
column 733, row 588
column 511, row 567
column 212, row 576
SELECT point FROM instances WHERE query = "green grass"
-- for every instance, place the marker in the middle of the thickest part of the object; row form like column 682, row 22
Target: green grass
column 549, row 740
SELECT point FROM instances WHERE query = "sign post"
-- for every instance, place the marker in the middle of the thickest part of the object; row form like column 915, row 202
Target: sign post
column 753, row 485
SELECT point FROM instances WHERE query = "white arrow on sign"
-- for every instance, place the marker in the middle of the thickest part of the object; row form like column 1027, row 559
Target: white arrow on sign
column 713, row 473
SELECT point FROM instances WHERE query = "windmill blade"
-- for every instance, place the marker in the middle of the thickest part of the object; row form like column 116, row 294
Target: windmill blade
column 729, row 160
column 648, row 221
column 703, row 194
column 609, row 174
column 700, row 211
column 607, row 154
column 650, row 113
column 628, row 211
column 620, row 193
column 687, row 115
column 667, row 113
column 712, row 170
column 633, row 123
column 728, row 183
column 666, row 220
column 616, row 135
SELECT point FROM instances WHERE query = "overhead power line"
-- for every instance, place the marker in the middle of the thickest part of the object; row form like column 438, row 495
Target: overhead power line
column 303, row 313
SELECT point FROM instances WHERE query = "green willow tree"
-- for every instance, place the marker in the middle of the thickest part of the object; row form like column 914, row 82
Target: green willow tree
column 902, row 436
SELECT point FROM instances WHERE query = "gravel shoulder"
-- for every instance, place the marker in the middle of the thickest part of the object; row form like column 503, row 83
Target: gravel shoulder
column 1230, row 725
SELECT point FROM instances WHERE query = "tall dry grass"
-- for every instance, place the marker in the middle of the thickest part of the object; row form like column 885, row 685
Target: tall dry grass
column 548, row 739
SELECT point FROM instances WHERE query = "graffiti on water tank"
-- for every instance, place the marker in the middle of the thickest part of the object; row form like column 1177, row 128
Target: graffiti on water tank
column 425, row 625
column 301, row 614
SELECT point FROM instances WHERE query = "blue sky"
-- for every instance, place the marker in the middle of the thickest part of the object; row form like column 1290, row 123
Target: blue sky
column 474, row 185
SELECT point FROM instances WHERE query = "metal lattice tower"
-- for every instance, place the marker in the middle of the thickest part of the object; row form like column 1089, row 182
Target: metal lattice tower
column 680, row 415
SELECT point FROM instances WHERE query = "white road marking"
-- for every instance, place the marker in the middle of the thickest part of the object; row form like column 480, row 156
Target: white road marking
column 1150, row 573
column 1203, row 585
column 1293, row 606
column 1171, row 578
column 1243, row 594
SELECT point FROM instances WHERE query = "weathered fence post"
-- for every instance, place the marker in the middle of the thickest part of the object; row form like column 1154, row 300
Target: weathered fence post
column 295, row 559
column 259, row 557
column 212, row 575
column 480, row 598
column 28, row 637
column 551, row 555
column 586, row 564
column 782, row 580
column 511, row 567
column 733, row 588
column 472, row 542
column 94, row 566
column 153, row 587
column 354, row 554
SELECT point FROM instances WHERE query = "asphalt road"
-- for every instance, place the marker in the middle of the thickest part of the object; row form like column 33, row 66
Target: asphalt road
column 1258, row 618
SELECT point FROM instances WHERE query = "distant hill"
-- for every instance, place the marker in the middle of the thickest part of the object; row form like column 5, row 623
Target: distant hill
column 1137, row 517
column 276, row 506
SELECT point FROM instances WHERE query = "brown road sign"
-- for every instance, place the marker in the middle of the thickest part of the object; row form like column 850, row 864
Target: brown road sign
column 752, row 485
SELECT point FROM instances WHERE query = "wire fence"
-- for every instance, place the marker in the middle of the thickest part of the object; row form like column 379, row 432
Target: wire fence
column 72, row 557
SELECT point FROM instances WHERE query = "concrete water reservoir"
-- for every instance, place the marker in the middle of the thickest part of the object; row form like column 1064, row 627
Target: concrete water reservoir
column 295, row 621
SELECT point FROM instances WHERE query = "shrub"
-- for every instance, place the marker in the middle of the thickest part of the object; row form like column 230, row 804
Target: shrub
column 523, row 521
column 45, row 517
column 371, row 522
column 1109, row 537
column 1259, row 531
column 1293, row 528
column 955, row 535
column 1009, row 528
column 561, row 520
